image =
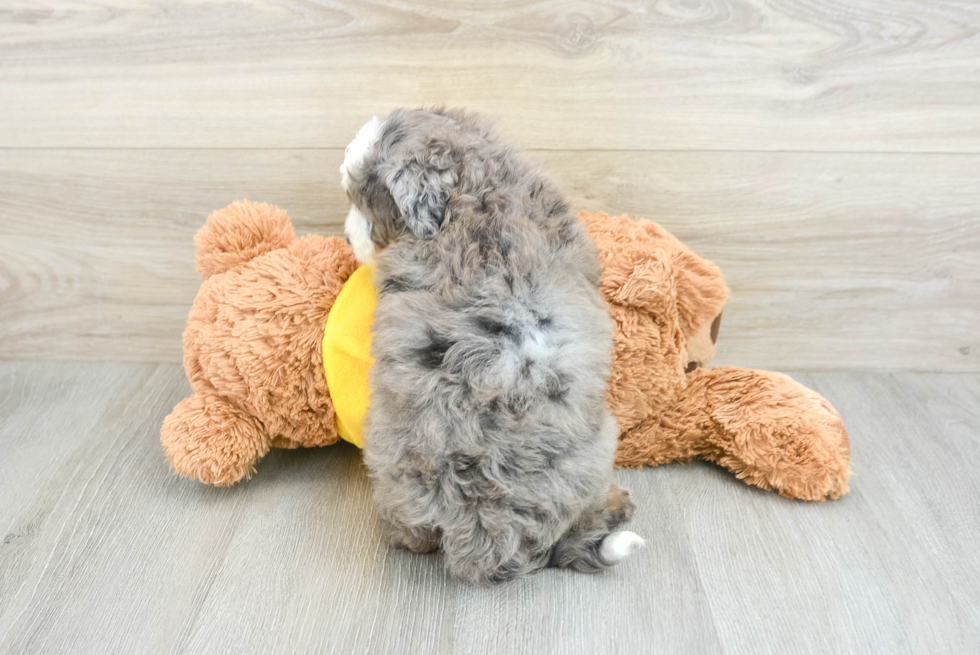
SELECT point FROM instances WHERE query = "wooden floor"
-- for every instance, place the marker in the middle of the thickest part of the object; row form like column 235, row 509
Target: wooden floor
column 105, row 551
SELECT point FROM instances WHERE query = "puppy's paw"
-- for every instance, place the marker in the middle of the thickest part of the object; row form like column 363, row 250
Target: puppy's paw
column 619, row 507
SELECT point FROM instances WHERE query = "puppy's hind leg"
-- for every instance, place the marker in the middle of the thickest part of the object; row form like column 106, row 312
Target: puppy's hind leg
column 619, row 507
column 417, row 540
column 490, row 554
column 591, row 545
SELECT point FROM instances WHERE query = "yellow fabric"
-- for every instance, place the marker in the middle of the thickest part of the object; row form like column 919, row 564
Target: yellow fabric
column 347, row 352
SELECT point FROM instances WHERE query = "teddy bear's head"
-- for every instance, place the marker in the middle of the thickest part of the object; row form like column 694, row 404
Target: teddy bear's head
column 667, row 304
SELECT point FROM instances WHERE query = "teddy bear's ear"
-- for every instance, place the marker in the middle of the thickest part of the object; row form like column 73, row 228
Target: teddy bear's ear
column 646, row 283
column 637, row 248
column 701, row 291
column 238, row 233
column 636, row 270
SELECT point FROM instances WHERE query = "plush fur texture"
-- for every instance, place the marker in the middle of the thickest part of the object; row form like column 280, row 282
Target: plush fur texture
column 252, row 344
column 252, row 355
column 487, row 430
column 765, row 427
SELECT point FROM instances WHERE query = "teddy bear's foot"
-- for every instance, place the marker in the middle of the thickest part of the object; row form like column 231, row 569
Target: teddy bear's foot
column 775, row 433
column 207, row 439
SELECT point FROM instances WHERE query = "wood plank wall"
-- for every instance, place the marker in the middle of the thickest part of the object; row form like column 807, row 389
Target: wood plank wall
column 826, row 154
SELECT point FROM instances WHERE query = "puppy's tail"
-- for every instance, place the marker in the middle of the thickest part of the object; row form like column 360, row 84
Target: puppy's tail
column 593, row 551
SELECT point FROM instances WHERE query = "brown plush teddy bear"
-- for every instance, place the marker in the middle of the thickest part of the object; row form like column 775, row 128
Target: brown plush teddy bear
column 255, row 345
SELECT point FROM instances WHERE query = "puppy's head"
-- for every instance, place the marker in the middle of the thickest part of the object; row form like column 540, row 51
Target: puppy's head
column 399, row 173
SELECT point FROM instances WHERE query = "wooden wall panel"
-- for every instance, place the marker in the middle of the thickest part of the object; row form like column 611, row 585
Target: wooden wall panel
column 836, row 261
column 871, row 75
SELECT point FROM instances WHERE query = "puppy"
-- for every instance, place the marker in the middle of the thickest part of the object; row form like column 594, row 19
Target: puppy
column 487, row 434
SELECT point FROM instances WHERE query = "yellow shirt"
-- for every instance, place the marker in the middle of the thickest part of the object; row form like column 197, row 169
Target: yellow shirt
column 347, row 352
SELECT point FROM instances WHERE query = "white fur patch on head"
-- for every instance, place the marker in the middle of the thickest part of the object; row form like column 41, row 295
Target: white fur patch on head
column 358, row 149
column 358, row 230
column 620, row 544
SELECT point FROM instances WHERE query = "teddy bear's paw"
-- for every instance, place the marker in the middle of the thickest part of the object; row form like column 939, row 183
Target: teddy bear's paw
column 827, row 459
column 207, row 439
column 779, row 435
column 798, row 460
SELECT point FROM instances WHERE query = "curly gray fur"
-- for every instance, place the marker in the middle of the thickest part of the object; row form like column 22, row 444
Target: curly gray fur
column 487, row 434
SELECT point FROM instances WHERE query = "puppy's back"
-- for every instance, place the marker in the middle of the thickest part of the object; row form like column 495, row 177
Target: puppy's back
column 488, row 432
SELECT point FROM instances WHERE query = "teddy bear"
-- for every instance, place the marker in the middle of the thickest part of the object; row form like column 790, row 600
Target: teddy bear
column 277, row 352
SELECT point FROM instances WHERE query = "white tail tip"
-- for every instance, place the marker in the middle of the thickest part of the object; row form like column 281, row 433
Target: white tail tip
column 620, row 544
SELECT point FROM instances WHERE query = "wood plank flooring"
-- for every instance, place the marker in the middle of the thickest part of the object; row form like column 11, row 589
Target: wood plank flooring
column 102, row 549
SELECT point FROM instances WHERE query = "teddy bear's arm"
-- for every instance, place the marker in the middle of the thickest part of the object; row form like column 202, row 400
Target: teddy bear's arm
column 207, row 439
column 765, row 427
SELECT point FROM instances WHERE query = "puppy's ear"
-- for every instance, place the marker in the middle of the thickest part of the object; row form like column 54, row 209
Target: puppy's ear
column 421, row 186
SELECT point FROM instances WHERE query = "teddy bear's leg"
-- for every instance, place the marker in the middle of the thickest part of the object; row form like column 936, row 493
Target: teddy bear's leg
column 676, row 435
column 766, row 428
column 208, row 439
column 774, row 433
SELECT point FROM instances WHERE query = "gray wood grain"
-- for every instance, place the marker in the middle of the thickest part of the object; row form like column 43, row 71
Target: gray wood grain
column 868, row 75
column 104, row 550
column 839, row 261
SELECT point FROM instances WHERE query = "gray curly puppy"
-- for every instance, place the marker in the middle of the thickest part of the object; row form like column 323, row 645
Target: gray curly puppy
column 488, row 434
